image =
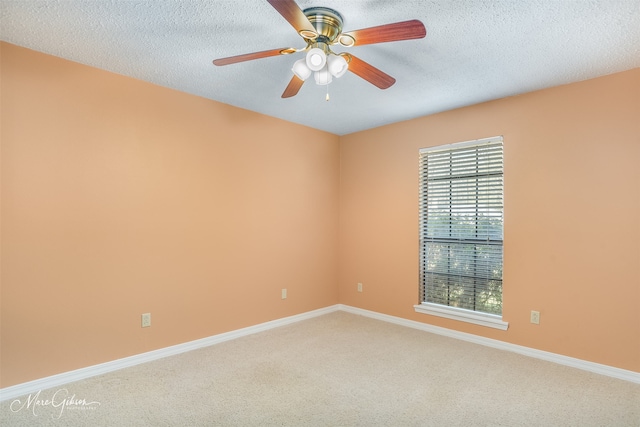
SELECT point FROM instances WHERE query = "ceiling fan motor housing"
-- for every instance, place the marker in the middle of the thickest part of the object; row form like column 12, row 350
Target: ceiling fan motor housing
column 327, row 22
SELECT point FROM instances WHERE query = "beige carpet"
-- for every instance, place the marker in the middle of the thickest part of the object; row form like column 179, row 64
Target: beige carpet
column 340, row 369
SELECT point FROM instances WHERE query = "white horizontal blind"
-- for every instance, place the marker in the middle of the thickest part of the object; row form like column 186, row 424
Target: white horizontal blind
column 461, row 225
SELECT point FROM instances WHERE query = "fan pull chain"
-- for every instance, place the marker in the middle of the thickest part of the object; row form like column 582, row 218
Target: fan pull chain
column 327, row 97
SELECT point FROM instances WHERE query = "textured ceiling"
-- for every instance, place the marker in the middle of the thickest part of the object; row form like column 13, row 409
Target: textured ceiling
column 474, row 50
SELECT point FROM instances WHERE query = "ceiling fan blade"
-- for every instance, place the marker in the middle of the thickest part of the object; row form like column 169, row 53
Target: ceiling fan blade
column 254, row 55
column 294, row 15
column 405, row 30
column 293, row 87
column 370, row 73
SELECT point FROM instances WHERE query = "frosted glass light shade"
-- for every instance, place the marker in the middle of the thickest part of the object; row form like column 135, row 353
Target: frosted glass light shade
column 301, row 70
column 322, row 77
column 316, row 59
column 337, row 65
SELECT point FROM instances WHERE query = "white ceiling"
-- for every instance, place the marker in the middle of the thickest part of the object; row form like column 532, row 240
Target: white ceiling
column 474, row 50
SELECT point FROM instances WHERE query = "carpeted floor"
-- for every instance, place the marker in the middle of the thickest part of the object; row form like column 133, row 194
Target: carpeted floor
column 339, row 369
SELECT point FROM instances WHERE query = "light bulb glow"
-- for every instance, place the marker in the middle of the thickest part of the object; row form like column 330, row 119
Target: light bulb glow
column 316, row 59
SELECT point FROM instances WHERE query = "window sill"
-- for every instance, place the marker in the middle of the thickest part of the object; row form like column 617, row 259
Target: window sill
column 488, row 320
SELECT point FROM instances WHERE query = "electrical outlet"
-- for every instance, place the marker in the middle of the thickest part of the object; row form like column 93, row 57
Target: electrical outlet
column 146, row 320
column 535, row 317
column 284, row 294
column 359, row 287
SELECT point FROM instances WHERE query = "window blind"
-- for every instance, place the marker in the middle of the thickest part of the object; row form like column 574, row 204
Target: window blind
column 461, row 225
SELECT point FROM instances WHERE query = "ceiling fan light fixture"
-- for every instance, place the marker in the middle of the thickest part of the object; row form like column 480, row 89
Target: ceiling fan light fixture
column 322, row 77
column 301, row 70
column 337, row 65
column 316, row 59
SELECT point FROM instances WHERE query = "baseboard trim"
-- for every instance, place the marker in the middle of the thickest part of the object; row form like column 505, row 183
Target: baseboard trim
column 584, row 365
column 103, row 368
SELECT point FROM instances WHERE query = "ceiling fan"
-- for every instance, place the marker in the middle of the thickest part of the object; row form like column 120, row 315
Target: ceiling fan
column 321, row 28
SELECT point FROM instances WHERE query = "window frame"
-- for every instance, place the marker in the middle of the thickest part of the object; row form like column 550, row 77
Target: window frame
column 442, row 310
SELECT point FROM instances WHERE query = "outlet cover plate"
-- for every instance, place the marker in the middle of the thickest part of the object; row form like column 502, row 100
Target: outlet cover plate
column 535, row 317
column 146, row 320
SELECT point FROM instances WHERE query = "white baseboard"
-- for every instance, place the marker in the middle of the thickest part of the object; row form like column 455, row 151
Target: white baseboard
column 597, row 368
column 103, row 368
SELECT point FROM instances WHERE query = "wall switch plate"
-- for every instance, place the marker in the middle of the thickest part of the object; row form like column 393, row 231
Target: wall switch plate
column 146, row 320
column 359, row 287
column 284, row 294
column 535, row 317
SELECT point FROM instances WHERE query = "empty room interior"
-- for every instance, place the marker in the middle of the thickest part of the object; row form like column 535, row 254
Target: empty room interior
column 140, row 217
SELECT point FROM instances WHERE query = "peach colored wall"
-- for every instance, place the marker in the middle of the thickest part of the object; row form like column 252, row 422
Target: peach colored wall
column 572, row 215
column 120, row 197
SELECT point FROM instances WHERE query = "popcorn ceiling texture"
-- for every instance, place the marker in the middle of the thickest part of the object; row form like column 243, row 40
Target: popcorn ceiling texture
column 474, row 51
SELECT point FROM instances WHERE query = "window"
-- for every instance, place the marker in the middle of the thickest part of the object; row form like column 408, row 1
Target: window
column 461, row 231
